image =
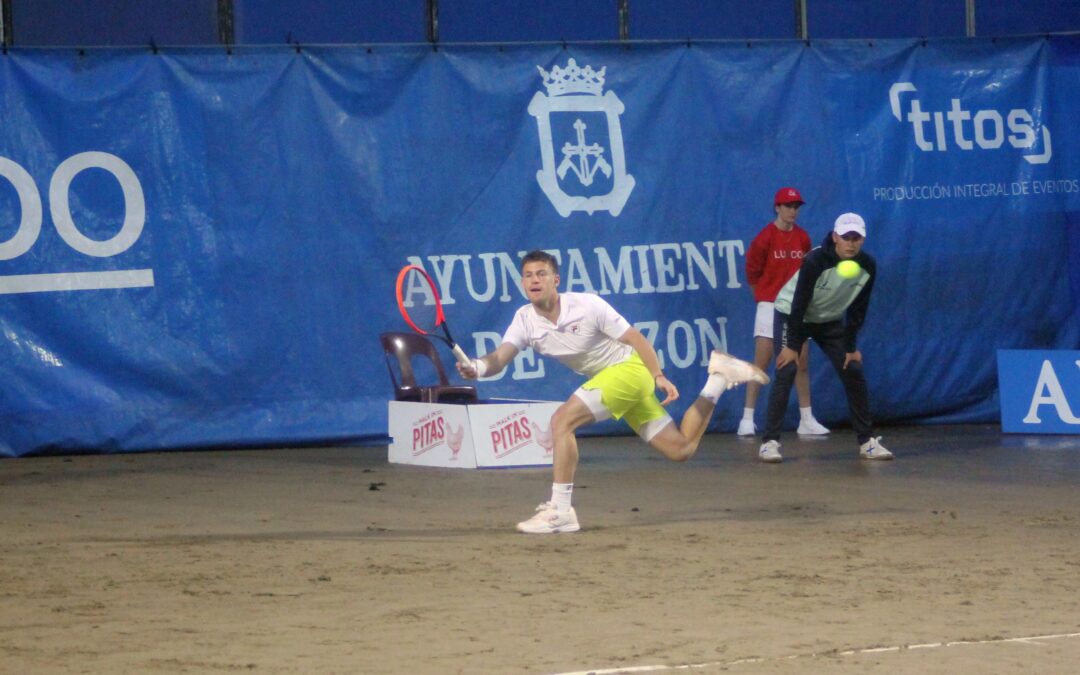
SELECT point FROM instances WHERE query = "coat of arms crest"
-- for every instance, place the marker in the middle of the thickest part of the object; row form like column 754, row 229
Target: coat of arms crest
column 591, row 173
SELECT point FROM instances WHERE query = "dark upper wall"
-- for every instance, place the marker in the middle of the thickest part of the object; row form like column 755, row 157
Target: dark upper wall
column 111, row 22
column 202, row 22
column 329, row 21
column 681, row 19
column 859, row 18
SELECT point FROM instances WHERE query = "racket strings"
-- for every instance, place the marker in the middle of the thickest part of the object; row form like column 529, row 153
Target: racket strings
column 424, row 317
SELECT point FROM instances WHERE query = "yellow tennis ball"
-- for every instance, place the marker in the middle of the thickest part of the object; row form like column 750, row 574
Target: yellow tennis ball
column 848, row 269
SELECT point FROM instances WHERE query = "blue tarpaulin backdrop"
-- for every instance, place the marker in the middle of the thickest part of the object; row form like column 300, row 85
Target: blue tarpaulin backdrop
column 199, row 249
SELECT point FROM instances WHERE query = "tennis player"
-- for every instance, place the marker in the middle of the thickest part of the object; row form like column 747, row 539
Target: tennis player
column 584, row 333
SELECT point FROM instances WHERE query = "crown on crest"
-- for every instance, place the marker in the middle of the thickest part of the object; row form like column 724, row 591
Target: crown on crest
column 573, row 80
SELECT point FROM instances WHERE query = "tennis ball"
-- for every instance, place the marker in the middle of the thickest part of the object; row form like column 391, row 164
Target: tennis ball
column 848, row 269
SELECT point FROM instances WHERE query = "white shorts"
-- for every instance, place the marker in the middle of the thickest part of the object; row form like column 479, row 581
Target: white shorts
column 763, row 320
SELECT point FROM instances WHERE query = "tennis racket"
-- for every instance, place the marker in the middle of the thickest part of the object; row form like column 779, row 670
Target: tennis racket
column 420, row 305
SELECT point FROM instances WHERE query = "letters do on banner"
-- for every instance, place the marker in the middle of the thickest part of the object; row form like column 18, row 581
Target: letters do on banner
column 1040, row 391
column 29, row 229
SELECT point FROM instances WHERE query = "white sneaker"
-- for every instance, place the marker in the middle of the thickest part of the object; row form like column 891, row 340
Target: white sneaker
column 746, row 428
column 549, row 520
column 770, row 452
column 734, row 370
column 873, row 449
column 811, row 427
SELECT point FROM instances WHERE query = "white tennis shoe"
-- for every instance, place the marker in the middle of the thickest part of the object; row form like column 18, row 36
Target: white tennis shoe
column 811, row 427
column 746, row 428
column 770, row 452
column 873, row 449
column 734, row 370
column 549, row 520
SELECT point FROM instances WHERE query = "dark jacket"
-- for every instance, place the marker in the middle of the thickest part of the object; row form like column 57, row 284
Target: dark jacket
column 817, row 294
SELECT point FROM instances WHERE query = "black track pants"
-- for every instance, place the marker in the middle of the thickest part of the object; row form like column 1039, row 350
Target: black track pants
column 830, row 337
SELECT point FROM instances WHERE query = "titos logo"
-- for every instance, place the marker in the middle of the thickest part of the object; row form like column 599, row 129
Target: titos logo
column 965, row 129
column 29, row 229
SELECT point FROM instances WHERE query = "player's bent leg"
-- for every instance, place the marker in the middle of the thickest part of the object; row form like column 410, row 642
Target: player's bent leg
column 565, row 422
column 672, row 444
column 550, row 516
column 696, row 419
column 679, row 443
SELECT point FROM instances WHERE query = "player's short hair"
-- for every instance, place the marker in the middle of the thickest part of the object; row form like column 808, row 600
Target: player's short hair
column 541, row 256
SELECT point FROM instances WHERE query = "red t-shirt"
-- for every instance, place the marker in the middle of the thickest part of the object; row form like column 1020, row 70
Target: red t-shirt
column 774, row 257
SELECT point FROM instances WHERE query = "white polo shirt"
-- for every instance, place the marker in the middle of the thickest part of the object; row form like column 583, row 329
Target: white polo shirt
column 584, row 339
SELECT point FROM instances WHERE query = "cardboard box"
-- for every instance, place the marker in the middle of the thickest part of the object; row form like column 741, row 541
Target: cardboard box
column 469, row 436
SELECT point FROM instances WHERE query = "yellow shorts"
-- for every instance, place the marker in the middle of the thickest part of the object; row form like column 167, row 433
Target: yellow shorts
column 627, row 391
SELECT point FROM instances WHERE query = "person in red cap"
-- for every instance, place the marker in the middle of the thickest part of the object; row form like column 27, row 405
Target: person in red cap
column 775, row 255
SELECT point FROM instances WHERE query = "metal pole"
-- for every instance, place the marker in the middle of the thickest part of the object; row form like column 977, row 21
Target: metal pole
column 624, row 19
column 433, row 21
column 969, row 15
column 801, row 30
column 5, row 23
column 226, row 30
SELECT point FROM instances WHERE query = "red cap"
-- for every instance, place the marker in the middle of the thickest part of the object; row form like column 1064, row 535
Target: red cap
column 787, row 195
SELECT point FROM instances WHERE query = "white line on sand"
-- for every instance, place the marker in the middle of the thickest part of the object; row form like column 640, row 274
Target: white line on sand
column 1030, row 640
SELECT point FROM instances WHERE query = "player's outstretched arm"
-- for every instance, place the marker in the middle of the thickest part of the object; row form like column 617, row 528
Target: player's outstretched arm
column 489, row 364
column 635, row 339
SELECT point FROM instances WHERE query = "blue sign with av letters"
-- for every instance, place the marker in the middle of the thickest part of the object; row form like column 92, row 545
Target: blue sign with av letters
column 1040, row 391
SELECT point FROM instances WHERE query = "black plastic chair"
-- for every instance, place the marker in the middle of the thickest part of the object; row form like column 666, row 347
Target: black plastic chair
column 401, row 349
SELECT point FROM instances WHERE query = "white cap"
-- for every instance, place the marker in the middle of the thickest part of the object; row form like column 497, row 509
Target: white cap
column 850, row 222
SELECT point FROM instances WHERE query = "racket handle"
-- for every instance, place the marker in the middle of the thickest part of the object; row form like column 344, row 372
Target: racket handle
column 460, row 356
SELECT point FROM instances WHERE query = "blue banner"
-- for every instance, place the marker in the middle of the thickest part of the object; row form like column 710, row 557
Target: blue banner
column 199, row 249
column 1040, row 391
